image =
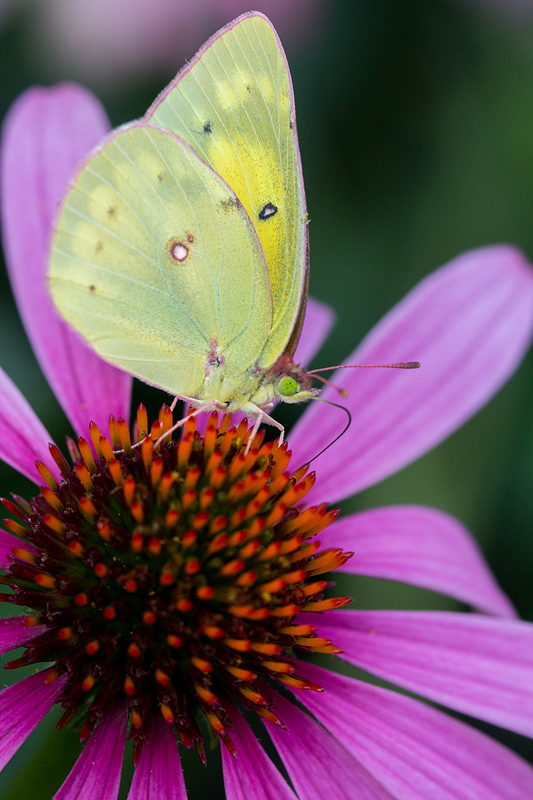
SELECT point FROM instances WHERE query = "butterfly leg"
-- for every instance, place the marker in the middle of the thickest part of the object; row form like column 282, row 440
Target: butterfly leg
column 261, row 416
column 257, row 423
column 211, row 405
column 192, row 401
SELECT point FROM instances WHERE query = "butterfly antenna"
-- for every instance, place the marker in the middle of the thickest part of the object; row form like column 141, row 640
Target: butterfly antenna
column 313, row 372
column 329, row 383
column 343, row 392
column 336, row 439
column 398, row 365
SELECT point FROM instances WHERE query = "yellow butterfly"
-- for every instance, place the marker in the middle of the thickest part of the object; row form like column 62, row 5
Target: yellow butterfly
column 180, row 250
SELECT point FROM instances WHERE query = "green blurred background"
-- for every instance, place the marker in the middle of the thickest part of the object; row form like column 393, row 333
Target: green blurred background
column 416, row 130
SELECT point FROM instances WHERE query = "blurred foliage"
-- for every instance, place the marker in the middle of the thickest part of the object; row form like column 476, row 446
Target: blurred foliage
column 416, row 129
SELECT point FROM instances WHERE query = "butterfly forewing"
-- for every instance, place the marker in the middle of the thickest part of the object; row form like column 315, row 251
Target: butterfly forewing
column 233, row 104
column 155, row 262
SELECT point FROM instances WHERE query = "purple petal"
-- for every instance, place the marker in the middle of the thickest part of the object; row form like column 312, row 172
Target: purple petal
column 159, row 774
column 252, row 774
column 96, row 773
column 46, row 133
column 13, row 633
column 318, row 322
column 415, row 751
column 421, row 546
column 131, row 40
column 22, row 707
column 478, row 665
column 469, row 325
column 23, row 439
column 318, row 765
column 7, row 543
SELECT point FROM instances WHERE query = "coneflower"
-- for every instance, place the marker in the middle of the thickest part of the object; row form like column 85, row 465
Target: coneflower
column 171, row 589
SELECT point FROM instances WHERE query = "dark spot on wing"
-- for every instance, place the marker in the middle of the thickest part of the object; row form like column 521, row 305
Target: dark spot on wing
column 268, row 211
column 190, row 238
column 177, row 250
column 160, row 177
column 111, row 212
column 231, row 202
column 92, row 288
column 248, row 88
column 99, row 246
column 208, row 127
column 291, row 124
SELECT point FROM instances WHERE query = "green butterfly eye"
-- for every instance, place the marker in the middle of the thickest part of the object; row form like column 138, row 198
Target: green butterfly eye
column 287, row 386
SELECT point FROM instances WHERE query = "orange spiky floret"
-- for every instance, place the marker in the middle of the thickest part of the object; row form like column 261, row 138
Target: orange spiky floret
column 198, row 559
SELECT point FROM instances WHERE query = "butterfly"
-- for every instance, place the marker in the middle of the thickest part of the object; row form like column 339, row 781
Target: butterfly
column 180, row 249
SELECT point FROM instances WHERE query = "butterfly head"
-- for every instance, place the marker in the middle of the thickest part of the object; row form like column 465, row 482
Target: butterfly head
column 289, row 382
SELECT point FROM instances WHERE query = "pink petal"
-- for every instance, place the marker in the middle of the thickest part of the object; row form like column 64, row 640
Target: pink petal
column 13, row 633
column 478, row 665
column 421, row 546
column 319, row 320
column 96, row 773
column 121, row 41
column 159, row 774
column 318, row 765
column 22, row 707
column 252, row 774
column 46, row 133
column 7, row 543
column 469, row 325
column 126, row 40
column 415, row 751
column 23, row 439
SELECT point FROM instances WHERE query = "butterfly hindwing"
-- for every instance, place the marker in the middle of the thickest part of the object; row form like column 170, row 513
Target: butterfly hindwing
column 155, row 262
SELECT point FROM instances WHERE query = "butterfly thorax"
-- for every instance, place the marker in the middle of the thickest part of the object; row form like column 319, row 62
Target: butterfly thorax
column 257, row 386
